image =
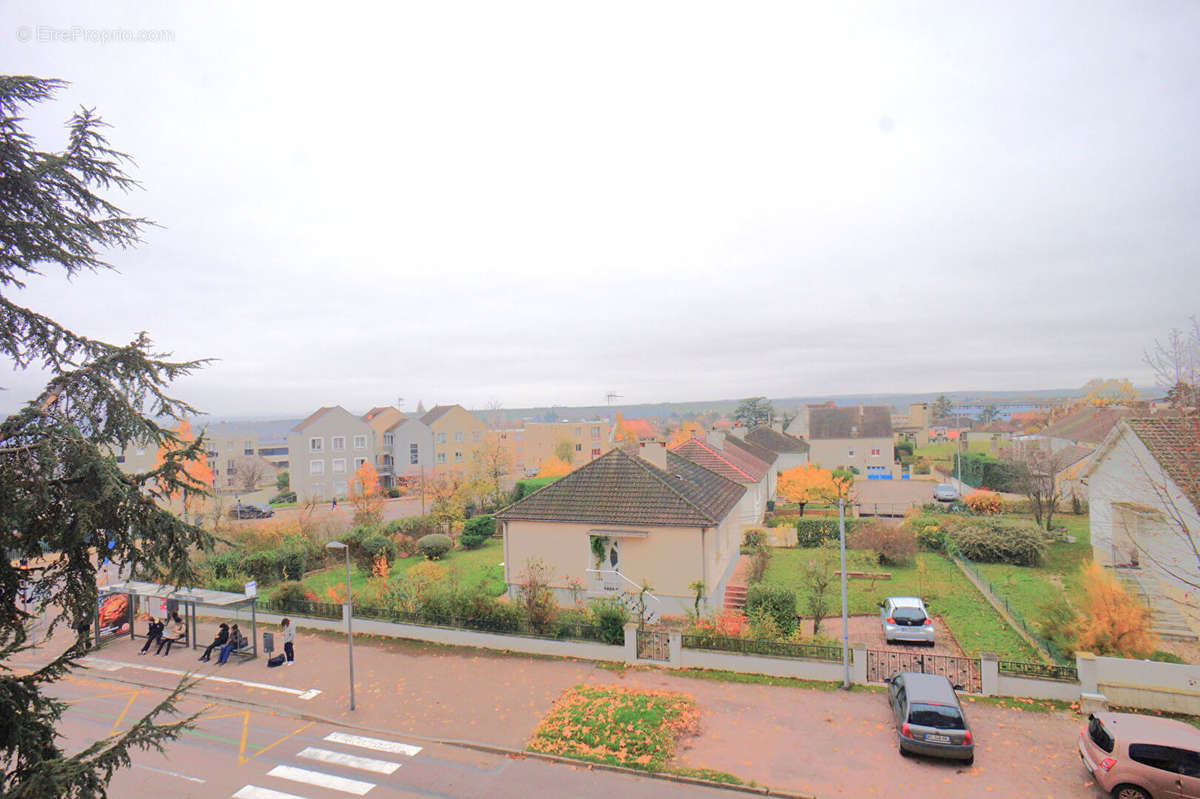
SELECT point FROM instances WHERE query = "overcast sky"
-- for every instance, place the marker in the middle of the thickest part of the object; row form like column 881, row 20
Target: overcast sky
column 540, row 203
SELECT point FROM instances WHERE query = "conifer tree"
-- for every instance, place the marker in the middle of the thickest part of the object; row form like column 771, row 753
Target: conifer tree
column 61, row 491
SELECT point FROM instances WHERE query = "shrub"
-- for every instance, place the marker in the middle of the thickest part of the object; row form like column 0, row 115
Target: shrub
column 1115, row 623
column 477, row 530
column 752, row 540
column 776, row 602
column 929, row 533
column 611, row 617
column 293, row 562
column 223, row 564
column 759, row 562
column 433, row 547
column 536, row 597
column 412, row 526
column 290, row 591
column 993, row 540
column 234, row 583
column 893, row 546
column 371, row 548
column 405, row 546
column 264, row 567
column 983, row 503
column 283, row 497
column 524, row 488
column 393, row 493
column 812, row 532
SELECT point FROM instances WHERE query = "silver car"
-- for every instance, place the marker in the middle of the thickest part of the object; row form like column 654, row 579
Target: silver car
column 905, row 618
column 929, row 718
column 945, row 492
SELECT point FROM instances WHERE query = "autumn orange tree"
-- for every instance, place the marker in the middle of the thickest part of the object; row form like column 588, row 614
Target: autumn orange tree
column 685, row 432
column 1114, row 622
column 364, row 495
column 811, row 483
column 195, row 468
column 554, row 467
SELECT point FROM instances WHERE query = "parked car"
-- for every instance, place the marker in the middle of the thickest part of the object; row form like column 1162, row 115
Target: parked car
column 905, row 618
column 945, row 492
column 250, row 511
column 929, row 718
column 1141, row 757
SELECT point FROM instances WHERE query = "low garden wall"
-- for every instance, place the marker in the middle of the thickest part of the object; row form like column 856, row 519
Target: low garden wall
column 1172, row 687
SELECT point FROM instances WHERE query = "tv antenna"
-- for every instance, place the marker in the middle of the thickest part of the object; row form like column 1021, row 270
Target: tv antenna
column 610, row 396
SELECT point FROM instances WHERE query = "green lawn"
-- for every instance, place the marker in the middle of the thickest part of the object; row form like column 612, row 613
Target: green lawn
column 972, row 621
column 942, row 454
column 469, row 565
column 1028, row 589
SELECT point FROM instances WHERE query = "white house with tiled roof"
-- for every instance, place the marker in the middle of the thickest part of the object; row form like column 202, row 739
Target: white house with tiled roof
column 736, row 465
column 1144, row 495
column 626, row 518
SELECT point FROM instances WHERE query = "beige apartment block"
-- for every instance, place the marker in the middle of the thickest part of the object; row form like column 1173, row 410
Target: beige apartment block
column 584, row 441
column 457, row 435
column 384, row 422
column 325, row 450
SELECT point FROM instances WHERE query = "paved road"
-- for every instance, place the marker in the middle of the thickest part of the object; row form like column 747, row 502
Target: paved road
column 392, row 509
column 252, row 754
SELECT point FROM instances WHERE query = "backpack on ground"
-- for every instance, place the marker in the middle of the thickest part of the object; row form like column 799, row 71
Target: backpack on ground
column 277, row 660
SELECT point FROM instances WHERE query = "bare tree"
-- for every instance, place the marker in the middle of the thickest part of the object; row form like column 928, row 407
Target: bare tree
column 250, row 471
column 1036, row 471
column 1176, row 365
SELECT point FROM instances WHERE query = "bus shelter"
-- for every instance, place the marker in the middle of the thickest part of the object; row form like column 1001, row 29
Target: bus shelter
column 109, row 619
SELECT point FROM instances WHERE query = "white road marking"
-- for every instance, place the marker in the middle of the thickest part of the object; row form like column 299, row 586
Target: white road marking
column 168, row 771
column 378, row 744
column 254, row 792
column 321, row 779
column 350, row 761
column 113, row 665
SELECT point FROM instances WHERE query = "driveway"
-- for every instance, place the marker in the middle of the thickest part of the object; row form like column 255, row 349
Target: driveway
column 891, row 497
column 867, row 630
column 839, row 744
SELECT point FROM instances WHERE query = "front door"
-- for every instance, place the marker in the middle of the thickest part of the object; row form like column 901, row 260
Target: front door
column 614, row 555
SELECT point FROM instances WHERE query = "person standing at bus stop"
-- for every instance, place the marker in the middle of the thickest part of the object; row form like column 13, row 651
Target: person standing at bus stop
column 289, row 637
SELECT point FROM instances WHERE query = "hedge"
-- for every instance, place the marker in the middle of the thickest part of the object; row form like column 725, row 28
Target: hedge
column 477, row 530
column 812, row 532
column 775, row 601
column 992, row 540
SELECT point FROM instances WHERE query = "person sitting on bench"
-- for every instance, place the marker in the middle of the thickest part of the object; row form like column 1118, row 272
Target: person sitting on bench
column 235, row 642
column 153, row 635
column 221, row 639
column 177, row 632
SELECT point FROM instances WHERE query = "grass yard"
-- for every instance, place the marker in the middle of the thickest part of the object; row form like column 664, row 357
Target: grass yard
column 1027, row 589
column 942, row 454
column 470, row 566
column 972, row 621
column 618, row 726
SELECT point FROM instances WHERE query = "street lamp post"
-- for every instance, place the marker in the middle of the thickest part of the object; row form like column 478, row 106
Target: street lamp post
column 845, row 618
column 348, row 609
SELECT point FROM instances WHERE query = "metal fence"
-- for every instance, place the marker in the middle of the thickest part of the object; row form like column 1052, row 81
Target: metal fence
column 505, row 626
column 1054, row 651
column 779, row 649
column 1039, row 671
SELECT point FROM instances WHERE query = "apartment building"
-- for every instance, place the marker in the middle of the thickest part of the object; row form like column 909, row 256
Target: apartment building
column 410, row 443
column 510, row 437
column 457, row 435
column 583, row 441
column 325, row 450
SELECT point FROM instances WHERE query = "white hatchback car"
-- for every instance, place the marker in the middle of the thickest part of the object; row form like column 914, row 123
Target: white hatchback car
column 904, row 618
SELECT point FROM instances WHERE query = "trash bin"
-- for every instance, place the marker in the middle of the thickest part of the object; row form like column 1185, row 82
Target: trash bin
column 268, row 642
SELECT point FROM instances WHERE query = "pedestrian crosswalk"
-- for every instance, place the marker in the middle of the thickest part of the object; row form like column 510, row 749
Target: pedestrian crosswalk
column 355, row 786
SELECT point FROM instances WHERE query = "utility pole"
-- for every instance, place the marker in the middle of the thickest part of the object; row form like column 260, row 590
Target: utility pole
column 845, row 618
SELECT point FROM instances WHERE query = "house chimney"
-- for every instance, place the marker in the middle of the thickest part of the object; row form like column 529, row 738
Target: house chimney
column 739, row 430
column 654, row 452
column 716, row 438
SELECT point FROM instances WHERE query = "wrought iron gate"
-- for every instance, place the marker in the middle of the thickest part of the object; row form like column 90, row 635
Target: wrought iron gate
column 960, row 671
column 653, row 645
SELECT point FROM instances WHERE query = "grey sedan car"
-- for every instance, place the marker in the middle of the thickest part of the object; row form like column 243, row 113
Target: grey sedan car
column 929, row 718
column 905, row 619
column 945, row 492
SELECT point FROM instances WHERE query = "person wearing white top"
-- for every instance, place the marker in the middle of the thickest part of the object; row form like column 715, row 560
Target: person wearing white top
column 289, row 637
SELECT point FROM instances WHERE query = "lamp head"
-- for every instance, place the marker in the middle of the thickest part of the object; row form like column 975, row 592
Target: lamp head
column 335, row 545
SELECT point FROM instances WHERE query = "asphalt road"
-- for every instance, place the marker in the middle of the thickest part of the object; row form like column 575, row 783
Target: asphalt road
column 255, row 754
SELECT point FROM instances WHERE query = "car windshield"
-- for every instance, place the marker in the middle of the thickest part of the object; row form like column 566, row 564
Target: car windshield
column 908, row 614
column 941, row 717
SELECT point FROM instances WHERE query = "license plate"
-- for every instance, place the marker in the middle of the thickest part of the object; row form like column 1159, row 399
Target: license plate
column 942, row 739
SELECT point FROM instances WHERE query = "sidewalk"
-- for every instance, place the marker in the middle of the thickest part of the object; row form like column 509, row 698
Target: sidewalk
column 829, row 743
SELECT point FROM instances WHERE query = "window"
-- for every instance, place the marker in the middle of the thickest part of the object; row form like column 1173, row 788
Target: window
column 316, row 467
column 1167, row 758
column 388, row 439
column 358, row 463
column 595, row 452
column 360, row 442
column 248, row 448
column 578, row 431
column 579, row 447
column 316, row 444
column 874, row 450
column 338, row 443
column 851, row 453
column 229, row 467
column 458, row 437
column 441, row 438
column 120, row 459
column 475, row 435
column 458, row 456
column 414, row 453
column 595, row 434
column 270, row 452
column 441, row 458
column 339, row 465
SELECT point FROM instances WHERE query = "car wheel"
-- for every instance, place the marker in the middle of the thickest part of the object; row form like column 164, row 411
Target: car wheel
column 1129, row 792
column 904, row 752
column 970, row 761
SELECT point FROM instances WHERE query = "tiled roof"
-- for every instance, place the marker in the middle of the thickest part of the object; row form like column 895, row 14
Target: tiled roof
column 1070, row 455
column 870, row 421
column 1088, row 425
column 775, row 441
column 437, row 412
column 621, row 488
column 738, row 466
column 384, row 418
column 741, row 445
column 314, row 416
column 639, row 427
column 1173, row 441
